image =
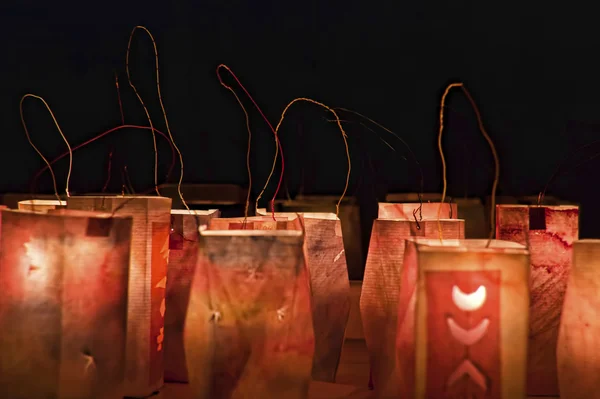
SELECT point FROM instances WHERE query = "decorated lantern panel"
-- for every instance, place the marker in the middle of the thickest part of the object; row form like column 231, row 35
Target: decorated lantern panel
column 578, row 349
column 382, row 287
column 40, row 205
column 330, row 287
column 63, row 310
column 463, row 320
column 147, row 284
column 410, row 210
column 249, row 330
column 183, row 255
column 549, row 233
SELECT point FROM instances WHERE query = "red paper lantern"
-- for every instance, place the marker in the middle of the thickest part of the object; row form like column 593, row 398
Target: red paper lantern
column 463, row 319
column 147, row 284
column 63, row 310
column 579, row 337
column 410, row 210
column 549, row 233
column 183, row 254
column 382, row 287
column 38, row 205
column 249, row 330
column 330, row 287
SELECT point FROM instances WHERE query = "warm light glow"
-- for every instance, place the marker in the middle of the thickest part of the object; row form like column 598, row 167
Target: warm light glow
column 468, row 302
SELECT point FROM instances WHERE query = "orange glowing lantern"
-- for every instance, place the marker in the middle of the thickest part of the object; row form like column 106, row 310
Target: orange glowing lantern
column 382, row 287
column 147, row 284
column 330, row 288
column 249, row 330
column 579, row 338
column 39, row 205
column 463, row 319
column 183, row 254
column 415, row 210
column 549, row 233
column 63, row 310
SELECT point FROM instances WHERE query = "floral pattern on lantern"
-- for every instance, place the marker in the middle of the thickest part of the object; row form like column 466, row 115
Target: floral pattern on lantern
column 549, row 233
column 382, row 288
column 463, row 319
column 148, row 266
column 249, row 330
column 63, row 310
column 183, row 255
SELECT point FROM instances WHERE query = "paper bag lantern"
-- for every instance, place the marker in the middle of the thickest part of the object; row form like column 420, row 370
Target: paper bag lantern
column 463, row 320
column 579, row 339
column 409, row 210
column 381, row 289
column 248, row 331
column 183, row 254
column 330, row 288
column 349, row 215
column 147, row 284
column 63, row 308
column 38, row 205
column 549, row 233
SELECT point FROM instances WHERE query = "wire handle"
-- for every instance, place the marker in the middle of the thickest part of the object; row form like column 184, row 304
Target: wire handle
column 344, row 136
column 39, row 152
column 492, row 148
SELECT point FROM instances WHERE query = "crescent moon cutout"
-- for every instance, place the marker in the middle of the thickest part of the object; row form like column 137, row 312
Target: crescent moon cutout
column 468, row 337
column 469, row 302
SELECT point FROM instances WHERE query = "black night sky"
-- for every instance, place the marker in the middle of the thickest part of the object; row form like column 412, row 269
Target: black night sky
column 533, row 72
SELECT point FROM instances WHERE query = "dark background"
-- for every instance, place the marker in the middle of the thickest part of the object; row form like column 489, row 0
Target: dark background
column 533, row 72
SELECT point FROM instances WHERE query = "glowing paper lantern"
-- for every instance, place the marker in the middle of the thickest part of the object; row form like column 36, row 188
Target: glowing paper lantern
column 183, row 254
column 147, row 284
column 405, row 210
column 579, row 338
column 38, row 205
column 330, row 288
column 382, row 287
column 63, row 308
column 249, row 330
column 548, row 232
column 351, row 224
column 463, row 320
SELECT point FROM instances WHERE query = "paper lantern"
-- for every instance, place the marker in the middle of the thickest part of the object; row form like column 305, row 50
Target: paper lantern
column 579, row 337
column 349, row 215
column 63, row 308
column 549, row 233
column 463, row 319
column 381, row 289
column 183, row 254
column 249, row 331
column 147, row 284
column 409, row 210
column 39, row 205
column 330, row 288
